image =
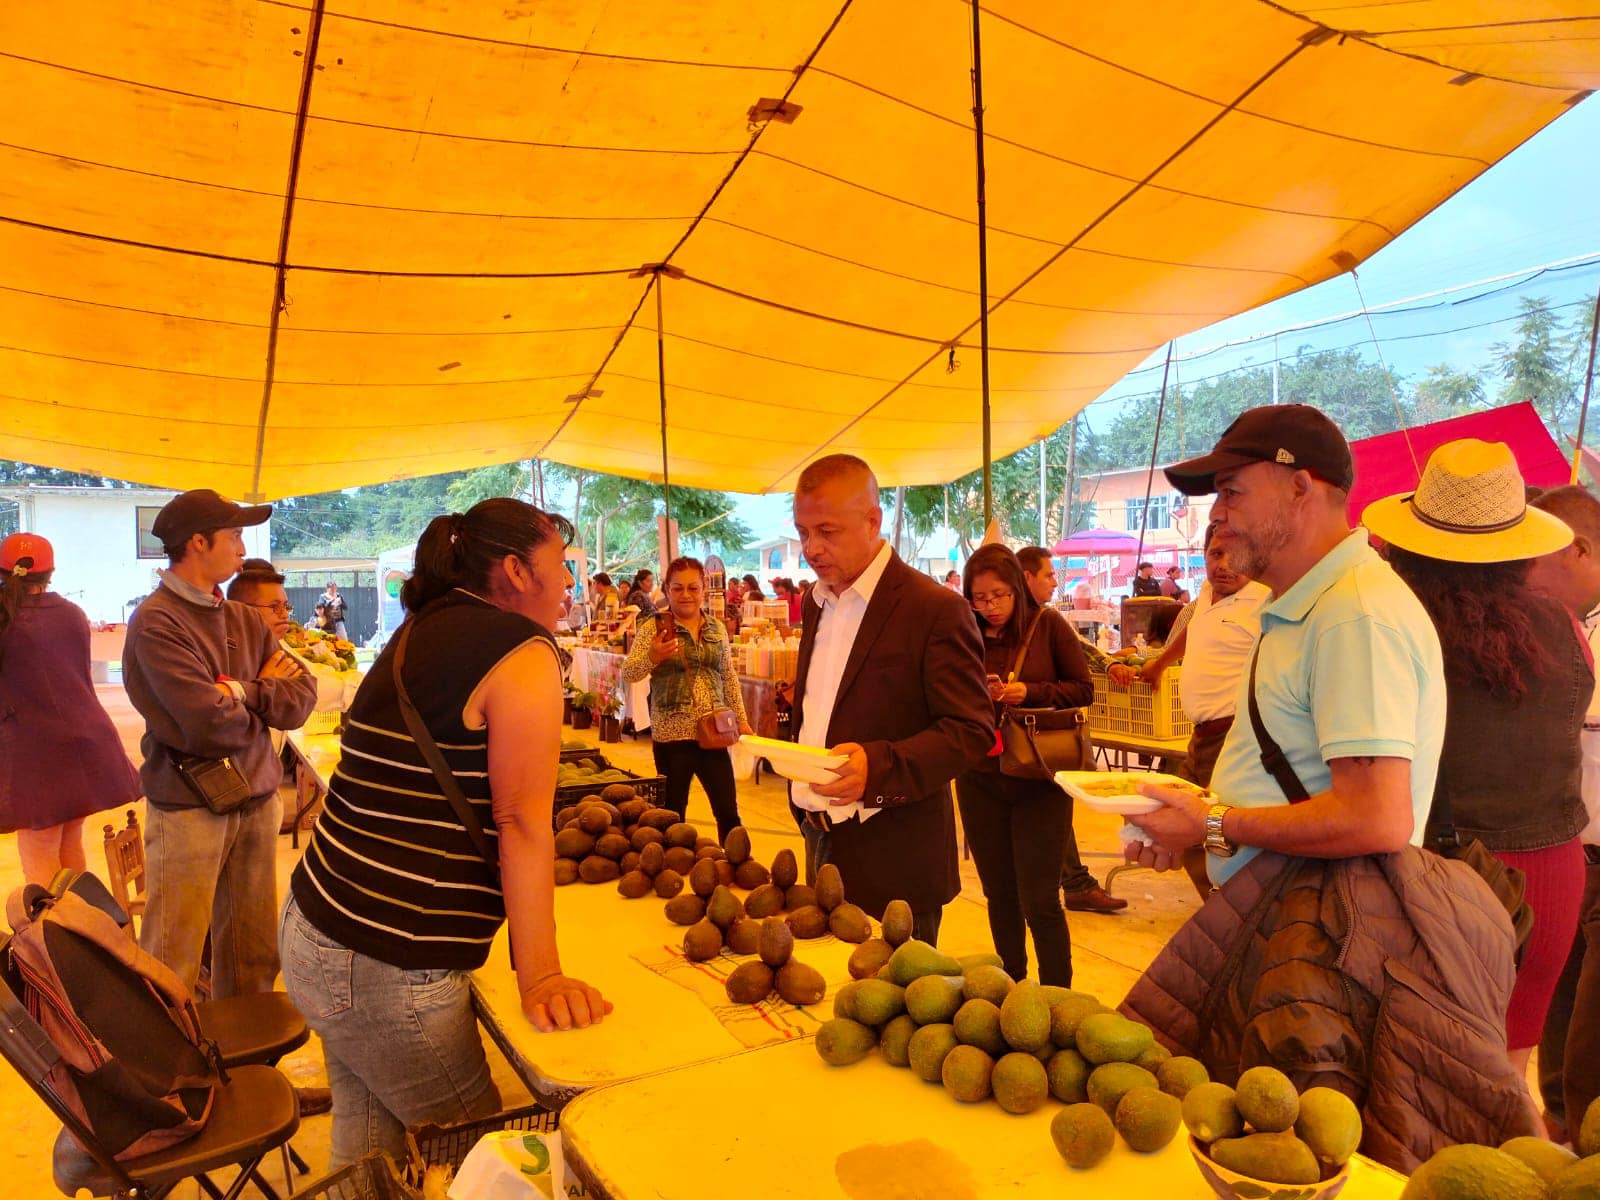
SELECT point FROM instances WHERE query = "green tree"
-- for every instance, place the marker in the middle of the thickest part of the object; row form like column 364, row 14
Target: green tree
column 1445, row 392
column 13, row 473
column 1533, row 367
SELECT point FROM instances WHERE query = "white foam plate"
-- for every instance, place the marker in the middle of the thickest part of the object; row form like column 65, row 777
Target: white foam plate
column 1085, row 787
column 807, row 764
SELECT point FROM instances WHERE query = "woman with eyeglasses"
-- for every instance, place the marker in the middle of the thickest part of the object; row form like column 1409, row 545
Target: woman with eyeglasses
column 684, row 652
column 60, row 756
column 1019, row 828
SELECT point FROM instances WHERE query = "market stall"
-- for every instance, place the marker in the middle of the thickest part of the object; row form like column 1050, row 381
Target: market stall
column 874, row 1132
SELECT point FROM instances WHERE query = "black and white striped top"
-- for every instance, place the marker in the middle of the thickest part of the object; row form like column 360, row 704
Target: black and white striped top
column 389, row 870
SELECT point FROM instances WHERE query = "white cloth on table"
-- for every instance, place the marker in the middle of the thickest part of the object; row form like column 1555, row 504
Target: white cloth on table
column 830, row 651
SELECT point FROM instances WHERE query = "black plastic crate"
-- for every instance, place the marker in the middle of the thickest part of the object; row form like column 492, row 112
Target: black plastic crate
column 586, row 752
column 448, row 1145
column 645, row 787
column 371, row 1178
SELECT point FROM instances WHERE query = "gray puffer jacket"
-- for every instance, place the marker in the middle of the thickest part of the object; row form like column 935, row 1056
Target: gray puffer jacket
column 1386, row 977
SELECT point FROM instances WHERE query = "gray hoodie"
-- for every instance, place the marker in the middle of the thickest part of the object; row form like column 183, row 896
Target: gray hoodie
column 176, row 652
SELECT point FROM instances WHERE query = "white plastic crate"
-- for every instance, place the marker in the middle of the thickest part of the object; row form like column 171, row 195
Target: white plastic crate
column 1139, row 709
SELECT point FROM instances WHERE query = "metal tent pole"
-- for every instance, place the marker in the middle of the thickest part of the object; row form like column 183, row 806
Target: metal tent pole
column 661, row 386
column 1155, row 449
column 983, row 259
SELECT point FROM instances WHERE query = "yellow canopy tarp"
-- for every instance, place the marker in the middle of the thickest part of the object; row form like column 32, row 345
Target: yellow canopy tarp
column 278, row 247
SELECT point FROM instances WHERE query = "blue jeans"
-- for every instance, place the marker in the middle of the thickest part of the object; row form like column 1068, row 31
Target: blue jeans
column 402, row 1047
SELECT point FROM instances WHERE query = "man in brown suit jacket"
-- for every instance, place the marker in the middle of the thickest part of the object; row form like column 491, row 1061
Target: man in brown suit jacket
column 890, row 675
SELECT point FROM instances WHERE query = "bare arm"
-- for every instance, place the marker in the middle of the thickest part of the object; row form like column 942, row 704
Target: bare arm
column 521, row 705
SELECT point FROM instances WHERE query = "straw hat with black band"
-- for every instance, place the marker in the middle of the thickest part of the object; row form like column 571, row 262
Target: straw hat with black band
column 1469, row 507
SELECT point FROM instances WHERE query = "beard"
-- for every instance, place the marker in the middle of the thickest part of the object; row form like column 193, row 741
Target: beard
column 1249, row 554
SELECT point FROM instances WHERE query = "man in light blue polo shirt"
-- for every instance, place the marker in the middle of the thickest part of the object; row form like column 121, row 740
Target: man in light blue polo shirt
column 1349, row 679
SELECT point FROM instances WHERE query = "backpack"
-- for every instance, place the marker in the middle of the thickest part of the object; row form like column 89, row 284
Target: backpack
column 134, row 1064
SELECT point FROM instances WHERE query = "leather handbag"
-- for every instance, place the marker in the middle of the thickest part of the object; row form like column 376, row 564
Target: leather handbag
column 1035, row 743
column 218, row 784
column 718, row 729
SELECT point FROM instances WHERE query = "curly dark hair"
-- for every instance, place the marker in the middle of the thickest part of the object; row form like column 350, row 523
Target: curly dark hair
column 1481, row 613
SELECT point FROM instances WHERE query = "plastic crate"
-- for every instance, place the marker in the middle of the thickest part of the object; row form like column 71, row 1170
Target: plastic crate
column 371, row 1178
column 586, row 752
column 327, row 721
column 448, row 1145
column 1139, row 709
column 646, row 787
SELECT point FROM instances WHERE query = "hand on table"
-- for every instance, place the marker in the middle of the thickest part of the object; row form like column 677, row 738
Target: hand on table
column 852, row 775
column 561, row 1002
column 1178, row 824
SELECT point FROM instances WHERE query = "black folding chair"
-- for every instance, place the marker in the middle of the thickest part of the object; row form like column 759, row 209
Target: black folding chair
column 256, row 1029
column 252, row 1115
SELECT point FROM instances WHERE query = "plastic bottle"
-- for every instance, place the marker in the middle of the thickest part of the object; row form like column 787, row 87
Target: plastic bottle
column 1102, row 640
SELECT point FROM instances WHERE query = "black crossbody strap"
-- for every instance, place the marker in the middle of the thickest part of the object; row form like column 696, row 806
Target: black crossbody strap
column 1272, row 755
column 435, row 760
column 1022, row 651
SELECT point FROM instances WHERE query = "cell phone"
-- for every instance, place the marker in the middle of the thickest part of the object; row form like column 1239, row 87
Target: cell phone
column 668, row 624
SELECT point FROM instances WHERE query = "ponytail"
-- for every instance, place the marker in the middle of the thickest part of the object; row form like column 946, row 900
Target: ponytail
column 15, row 588
column 461, row 550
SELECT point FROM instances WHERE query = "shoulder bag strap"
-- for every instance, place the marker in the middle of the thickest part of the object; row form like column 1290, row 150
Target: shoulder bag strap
column 1272, row 755
column 1022, row 651
column 435, row 760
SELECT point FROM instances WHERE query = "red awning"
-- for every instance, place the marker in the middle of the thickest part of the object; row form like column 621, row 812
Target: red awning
column 1384, row 465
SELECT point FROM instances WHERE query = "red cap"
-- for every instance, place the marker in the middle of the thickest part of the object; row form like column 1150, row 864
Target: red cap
column 27, row 545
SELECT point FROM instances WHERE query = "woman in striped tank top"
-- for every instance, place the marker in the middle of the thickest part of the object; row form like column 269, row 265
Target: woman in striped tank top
column 393, row 903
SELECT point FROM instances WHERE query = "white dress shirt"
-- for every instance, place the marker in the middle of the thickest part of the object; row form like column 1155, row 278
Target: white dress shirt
column 1221, row 635
column 830, row 651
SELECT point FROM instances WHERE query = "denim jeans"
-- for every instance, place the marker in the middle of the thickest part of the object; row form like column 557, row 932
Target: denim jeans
column 217, row 873
column 402, row 1047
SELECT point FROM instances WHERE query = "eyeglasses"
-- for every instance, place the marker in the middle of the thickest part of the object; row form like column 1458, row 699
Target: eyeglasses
column 282, row 607
column 998, row 600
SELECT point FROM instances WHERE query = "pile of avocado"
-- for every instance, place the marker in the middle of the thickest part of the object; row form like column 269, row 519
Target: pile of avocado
column 964, row 1023
column 1268, row 1131
column 615, row 834
column 589, row 772
column 1525, row 1168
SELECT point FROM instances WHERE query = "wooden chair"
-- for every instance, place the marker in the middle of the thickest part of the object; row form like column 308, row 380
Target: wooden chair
column 125, row 866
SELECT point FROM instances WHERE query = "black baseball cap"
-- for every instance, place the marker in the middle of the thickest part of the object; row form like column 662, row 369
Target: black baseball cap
column 201, row 511
column 1294, row 435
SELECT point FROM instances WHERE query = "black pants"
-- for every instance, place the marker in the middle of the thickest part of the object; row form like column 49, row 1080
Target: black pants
column 924, row 925
column 1017, row 829
column 682, row 763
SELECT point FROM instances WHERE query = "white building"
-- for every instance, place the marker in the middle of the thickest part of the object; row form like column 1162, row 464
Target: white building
column 105, row 553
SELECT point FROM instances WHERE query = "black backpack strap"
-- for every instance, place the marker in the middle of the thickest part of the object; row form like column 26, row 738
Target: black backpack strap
column 435, row 760
column 1272, row 755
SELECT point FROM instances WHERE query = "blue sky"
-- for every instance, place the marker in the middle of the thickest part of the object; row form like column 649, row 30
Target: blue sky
column 1539, row 204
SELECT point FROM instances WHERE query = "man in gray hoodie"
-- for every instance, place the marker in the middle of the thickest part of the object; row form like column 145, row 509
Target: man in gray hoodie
column 210, row 681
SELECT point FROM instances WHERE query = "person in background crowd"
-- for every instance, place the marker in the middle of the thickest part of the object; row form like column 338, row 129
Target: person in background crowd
column 1080, row 891
column 752, row 588
column 211, row 683
column 60, row 757
column 382, row 926
column 607, row 598
column 1569, row 1048
column 1040, row 570
column 1350, row 685
column 259, row 586
column 787, row 590
column 878, row 629
column 1213, row 638
column 319, row 617
column 1144, row 582
column 1018, row 828
column 1171, row 588
column 333, row 611
column 690, row 667
column 644, row 582
column 952, row 580
column 1518, row 675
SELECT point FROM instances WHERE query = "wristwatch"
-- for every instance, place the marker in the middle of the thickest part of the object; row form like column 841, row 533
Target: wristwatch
column 1215, row 843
